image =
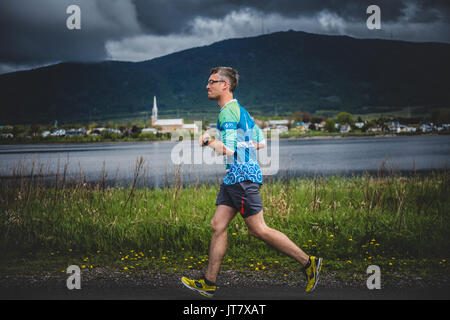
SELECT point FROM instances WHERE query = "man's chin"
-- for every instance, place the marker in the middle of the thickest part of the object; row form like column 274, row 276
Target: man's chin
column 212, row 97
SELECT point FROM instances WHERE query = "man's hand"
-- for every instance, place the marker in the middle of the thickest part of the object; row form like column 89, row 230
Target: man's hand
column 260, row 145
column 204, row 140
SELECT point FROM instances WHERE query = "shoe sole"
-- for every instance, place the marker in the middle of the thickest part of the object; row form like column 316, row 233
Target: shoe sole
column 319, row 266
column 203, row 293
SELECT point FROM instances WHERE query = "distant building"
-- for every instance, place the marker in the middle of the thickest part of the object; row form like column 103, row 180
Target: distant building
column 375, row 129
column 404, row 128
column 359, row 125
column 58, row 133
column 170, row 125
column 154, row 111
column 344, row 128
column 149, row 130
column 191, row 127
column 166, row 125
column 277, row 123
column 76, row 132
column 426, row 127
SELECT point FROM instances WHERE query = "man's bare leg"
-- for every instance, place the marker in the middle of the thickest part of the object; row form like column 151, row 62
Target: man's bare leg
column 219, row 241
column 276, row 239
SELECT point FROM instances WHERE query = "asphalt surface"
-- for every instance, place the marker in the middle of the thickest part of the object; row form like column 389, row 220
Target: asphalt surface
column 254, row 299
column 233, row 294
column 112, row 284
column 96, row 290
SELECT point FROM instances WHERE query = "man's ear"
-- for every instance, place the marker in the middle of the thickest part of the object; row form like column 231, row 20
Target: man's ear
column 226, row 86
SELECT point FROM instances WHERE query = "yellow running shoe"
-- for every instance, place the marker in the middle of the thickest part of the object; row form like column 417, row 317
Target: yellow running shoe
column 312, row 273
column 200, row 286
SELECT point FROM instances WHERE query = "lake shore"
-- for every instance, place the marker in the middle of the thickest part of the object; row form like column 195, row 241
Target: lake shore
column 297, row 137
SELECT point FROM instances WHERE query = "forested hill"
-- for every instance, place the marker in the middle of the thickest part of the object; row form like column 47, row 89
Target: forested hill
column 283, row 71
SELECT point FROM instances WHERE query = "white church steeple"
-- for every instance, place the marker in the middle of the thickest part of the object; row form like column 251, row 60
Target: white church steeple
column 154, row 111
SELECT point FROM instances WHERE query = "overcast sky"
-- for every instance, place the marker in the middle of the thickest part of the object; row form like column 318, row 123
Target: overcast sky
column 34, row 32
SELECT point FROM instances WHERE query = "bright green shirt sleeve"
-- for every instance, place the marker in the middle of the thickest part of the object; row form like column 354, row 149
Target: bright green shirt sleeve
column 228, row 120
column 258, row 134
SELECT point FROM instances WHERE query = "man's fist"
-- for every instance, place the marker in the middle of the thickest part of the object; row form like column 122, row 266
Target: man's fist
column 204, row 140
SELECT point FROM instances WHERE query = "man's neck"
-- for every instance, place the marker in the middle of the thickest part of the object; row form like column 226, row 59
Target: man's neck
column 224, row 100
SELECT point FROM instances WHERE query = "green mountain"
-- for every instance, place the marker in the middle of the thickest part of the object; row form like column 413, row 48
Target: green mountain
column 280, row 72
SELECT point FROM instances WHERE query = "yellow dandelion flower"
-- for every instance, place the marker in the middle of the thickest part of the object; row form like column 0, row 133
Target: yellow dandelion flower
column 331, row 235
column 125, row 268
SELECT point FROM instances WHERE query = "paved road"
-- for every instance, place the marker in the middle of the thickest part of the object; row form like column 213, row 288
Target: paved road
column 225, row 293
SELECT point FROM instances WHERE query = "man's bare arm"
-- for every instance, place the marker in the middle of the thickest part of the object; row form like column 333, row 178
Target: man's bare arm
column 217, row 145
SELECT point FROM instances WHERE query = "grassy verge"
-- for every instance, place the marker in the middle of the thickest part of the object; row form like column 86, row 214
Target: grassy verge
column 398, row 223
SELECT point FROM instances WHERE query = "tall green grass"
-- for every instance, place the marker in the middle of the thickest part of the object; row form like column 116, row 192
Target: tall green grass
column 335, row 216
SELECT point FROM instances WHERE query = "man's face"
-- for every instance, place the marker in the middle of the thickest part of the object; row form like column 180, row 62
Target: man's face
column 216, row 86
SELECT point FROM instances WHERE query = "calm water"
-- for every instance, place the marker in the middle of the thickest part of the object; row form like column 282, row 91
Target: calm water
column 116, row 162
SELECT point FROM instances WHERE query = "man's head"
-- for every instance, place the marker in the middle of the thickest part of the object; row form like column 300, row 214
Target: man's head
column 222, row 81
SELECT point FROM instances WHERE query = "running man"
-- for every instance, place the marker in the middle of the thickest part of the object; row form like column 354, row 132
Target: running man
column 239, row 192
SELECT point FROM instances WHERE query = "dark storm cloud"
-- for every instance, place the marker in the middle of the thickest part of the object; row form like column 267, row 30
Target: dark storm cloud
column 33, row 32
column 166, row 17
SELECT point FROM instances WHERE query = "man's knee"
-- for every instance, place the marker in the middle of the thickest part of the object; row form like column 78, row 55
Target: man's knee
column 258, row 232
column 217, row 226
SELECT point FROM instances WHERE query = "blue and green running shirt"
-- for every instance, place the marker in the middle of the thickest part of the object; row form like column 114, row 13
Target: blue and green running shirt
column 238, row 133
